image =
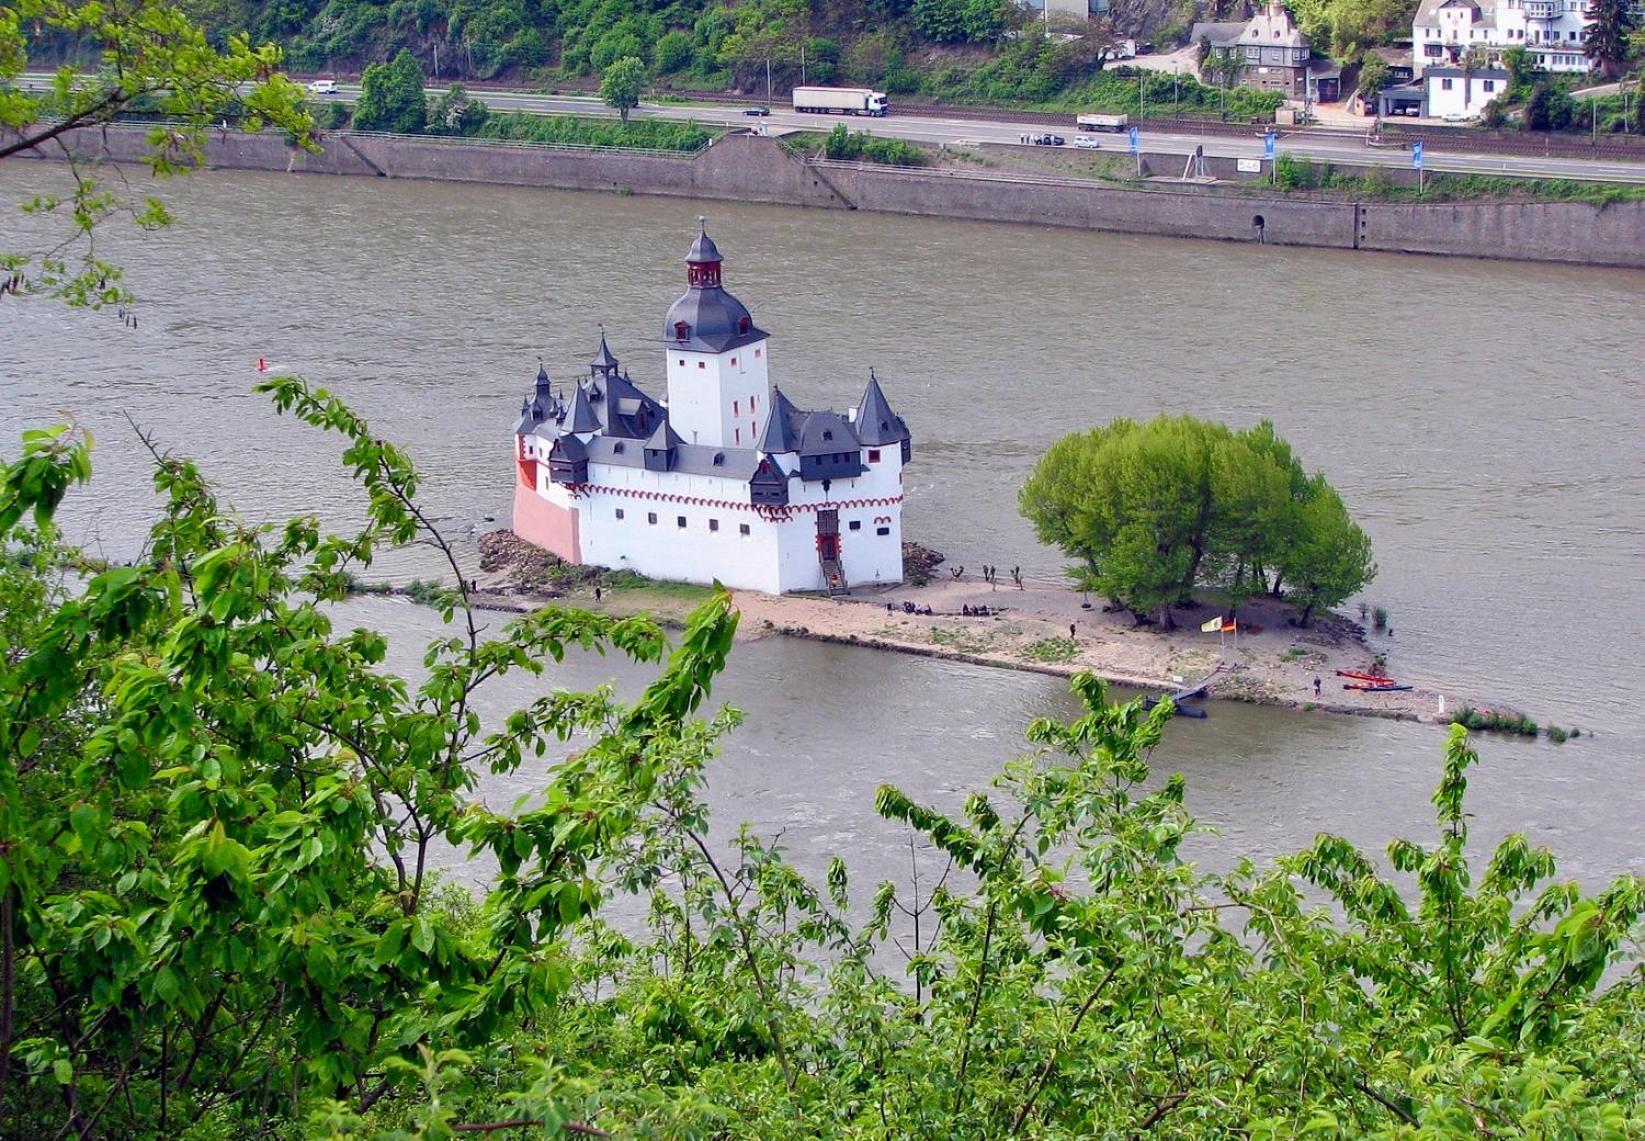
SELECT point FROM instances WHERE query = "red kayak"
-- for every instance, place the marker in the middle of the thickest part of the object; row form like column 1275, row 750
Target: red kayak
column 1374, row 679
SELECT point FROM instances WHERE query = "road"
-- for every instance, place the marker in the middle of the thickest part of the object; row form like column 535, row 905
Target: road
column 971, row 132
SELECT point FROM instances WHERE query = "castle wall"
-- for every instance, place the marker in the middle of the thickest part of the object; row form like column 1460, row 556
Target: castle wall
column 550, row 526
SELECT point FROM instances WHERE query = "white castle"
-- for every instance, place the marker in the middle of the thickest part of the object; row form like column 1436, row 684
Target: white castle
column 725, row 479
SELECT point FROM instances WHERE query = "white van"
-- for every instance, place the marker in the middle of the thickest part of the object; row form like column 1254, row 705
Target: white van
column 323, row 87
column 1088, row 142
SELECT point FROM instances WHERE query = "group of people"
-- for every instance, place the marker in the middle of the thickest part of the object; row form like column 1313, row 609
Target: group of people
column 909, row 608
column 976, row 612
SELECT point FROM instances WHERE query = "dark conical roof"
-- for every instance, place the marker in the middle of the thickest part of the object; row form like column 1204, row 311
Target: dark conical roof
column 579, row 413
column 780, row 435
column 568, row 447
column 703, row 250
column 663, row 439
column 875, row 423
column 603, row 360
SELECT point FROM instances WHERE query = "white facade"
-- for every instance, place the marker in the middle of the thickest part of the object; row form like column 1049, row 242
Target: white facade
column 1450, row 92
column 728, row 481
column 1551, row 31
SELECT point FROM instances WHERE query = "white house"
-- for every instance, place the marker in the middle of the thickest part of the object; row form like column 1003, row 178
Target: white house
column 725, row 480
column 1452, row 92
column 1551, row 31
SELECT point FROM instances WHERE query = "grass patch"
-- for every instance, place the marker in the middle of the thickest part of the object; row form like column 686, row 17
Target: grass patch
column 1052, row 651
column 1293, row 654
column 1494, row 721
column 568, row 130
column 963, row 641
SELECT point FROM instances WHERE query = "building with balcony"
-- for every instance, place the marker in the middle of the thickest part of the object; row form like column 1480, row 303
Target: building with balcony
column 1551, row 31
column 1274, row 55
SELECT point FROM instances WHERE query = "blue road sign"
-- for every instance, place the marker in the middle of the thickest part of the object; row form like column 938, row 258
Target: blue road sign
column 1268, row 145
column 1416, row 154
column 1136, row 140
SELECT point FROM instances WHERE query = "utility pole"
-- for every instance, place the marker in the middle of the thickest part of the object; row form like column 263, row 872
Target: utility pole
column 768, row 81
column 436, row 62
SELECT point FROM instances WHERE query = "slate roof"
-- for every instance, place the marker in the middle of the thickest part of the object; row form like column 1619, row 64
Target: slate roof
column 539, row 407
column 663, row 438
column 875, row 423
column 824, row 432
column 627, row 411
column 1221, row 34
column 579, row 413
column 568, row 448
column 603, row 360
column 780, row 435
column 703, row 249
column 692, row 459
column 717, row 320
column 1272, row 27
column 1484, row 12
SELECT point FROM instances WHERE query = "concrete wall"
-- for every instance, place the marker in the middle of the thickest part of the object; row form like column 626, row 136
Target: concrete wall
column 748, row 168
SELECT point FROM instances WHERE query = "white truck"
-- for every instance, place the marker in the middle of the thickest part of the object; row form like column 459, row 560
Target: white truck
column 840, row 100
column 1113, row 123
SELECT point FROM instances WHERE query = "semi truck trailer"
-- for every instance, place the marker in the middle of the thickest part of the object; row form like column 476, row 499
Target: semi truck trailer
column 840, row 101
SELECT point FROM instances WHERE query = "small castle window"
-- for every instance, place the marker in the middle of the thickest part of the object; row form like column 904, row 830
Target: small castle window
column 882, row 530
column 737, row 434
column 733, row 360
column 617, row 447
column 679, row 520
column 713, row 524
column 651, row 517
column 757, row 352
column 743, row 324
column 682, row 362
column 742, row 529
column 736, row 405
column 873, row 455
column 702, row 364
column 619, row 512
column 682, row 330
column 719, row 459
column 828, row 435
column 856, row 524
column 753, row 404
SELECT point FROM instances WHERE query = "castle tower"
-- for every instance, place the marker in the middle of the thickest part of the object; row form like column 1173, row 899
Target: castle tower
column 719, row 388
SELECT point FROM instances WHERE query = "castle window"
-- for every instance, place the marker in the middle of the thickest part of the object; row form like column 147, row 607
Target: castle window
column 617, row 447
column 757, row 352
column 873, row 455
column 882, row 530
column 856, row 524
column 828, row 435
column 679, row 520
column 753, row 404
column 713, row 524
column 719, row 459
column 744, row 323
column 619, row 512
column 682, row 330
column 651, row 517
column 736, row 405
column 733, row 361
column 702, row 364
column 742, row 529
column 737, row 433
column 682, row 362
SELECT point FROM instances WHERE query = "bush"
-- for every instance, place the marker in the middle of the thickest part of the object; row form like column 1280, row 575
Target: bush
column 673, row 52
column 1494, row 721
column 648, row 134
column 842, row 143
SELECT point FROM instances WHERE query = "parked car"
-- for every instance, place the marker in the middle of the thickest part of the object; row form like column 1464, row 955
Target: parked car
column 1048, row 140
column 761, row 111
column 1458, row 117
column 1087, row 142
column 323, row 87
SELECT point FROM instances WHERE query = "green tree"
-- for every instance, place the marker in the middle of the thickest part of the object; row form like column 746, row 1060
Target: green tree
column 673, row 52
column 1374, row 75
column 941, row 21
column 1611, row 22
column 456, row 112
column 621, row 85
column 146, row 53
column 217, row 811
column 392, row 97
column 1328, row 558
column 1155, row 511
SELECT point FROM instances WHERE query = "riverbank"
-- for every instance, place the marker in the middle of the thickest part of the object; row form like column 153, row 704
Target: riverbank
column 1036, row 628
column 753, row 168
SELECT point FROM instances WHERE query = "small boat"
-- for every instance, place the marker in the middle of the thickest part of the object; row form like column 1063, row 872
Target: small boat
column 1364, row 688
column 1193, row 711
column 1374, row 679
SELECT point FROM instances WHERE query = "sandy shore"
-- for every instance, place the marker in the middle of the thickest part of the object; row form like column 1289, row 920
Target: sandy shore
column 1045, row 628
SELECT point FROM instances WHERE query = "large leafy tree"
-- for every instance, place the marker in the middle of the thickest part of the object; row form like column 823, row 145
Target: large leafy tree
column 622, row 83
column 1154, row 511
column 392, row 97
column 149, row 55
column 1606, row 38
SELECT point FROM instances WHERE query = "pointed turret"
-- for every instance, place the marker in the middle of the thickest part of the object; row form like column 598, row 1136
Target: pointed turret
column 540, row 407
column 780, row 435
column 579, row 413
column 706, row 318
column 873, row 419
column 604, row 363
column 661, row 448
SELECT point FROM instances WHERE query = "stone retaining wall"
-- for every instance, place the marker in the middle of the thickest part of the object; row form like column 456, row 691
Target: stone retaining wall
column 749, row 168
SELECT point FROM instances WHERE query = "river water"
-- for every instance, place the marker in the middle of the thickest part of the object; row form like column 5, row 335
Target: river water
column 1483, row 420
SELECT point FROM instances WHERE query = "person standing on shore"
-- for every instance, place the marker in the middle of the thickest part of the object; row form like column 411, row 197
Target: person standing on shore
column 1316, row 685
